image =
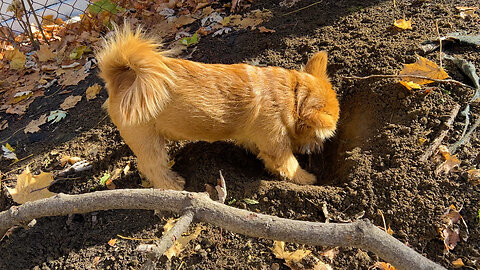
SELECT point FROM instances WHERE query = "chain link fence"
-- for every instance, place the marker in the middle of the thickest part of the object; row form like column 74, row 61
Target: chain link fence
column 31, row 18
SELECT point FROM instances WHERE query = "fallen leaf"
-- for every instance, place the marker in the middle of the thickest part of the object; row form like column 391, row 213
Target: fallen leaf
column 183, row 20
column 70, row 102
column 71, row 76
column 21, row 96
column 263, row 29
column 187, row 41
column 290, row 257
column 34, row 125
column 68, row 159
column 112, row 242
column 451, row 216
column 182, row 242
column 474, row 176
column 126, row 169
column 422, row 67
column 383, row 266
column 451, row 161
column 450, row 237
column 56, row 116
column 31, row 187
column 92, row 91
column 250, row 201
column 458, row 263
column 17, row 59
column 45, row 54
column 403, row 24
column 331, row 253
column 78, row 52
column 410, row 85
column 9, row 152
column 104, row 179
column 467, row 12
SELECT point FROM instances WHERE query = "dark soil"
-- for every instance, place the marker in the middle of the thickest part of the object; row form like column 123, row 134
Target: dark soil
column 372, row 164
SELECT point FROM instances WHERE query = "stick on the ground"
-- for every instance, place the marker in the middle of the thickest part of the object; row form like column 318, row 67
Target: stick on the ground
column 408, row 76
column 436, row 143
column 169, row 238
column 361, row 234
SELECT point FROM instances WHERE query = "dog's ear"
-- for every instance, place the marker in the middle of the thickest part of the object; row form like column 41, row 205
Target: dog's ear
column 317, row 65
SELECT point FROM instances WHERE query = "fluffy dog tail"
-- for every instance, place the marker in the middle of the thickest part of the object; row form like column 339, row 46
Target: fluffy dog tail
column 135, row 74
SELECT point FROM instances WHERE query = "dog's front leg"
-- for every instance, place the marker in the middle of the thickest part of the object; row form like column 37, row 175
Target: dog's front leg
column 152, row 158
column 283, row 162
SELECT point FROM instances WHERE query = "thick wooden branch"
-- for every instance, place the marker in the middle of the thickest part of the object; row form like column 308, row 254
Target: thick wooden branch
column 361, row 234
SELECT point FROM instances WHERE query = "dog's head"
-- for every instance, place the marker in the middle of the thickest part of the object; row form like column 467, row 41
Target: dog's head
column 317, row 106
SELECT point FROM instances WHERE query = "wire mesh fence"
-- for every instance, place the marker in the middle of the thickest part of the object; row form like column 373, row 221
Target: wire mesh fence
column 32, row 20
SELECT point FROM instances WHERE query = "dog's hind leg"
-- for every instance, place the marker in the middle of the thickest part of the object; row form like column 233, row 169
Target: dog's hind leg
column 149, row 147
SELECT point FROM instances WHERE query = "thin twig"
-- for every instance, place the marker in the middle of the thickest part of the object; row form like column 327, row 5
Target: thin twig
column 436, row 143
column 440, row 42
column 28, row 27
column 361, row 234
column 300, row 9
column 408, row 76
column 169, row 238
column 38, row 22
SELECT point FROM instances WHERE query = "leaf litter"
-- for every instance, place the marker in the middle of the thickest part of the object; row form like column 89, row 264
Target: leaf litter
column 31, row 187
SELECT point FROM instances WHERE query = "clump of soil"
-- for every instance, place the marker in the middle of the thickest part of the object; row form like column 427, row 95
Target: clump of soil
column 372, row 164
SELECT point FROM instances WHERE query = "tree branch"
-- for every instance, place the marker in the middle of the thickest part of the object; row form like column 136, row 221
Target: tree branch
column 436, row 143
column 169, row 238
column 408, row 76
column 361, row 234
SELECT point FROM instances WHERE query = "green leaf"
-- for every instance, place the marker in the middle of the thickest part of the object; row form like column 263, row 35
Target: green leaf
column 187, row 41
column 78, row 52
column 104, row 179
column 106, row 5
column 232, row 201
column 250, row 201
column 56, row 116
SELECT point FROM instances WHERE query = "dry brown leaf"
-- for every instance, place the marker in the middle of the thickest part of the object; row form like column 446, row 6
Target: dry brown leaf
column 403, row 24
column 92, row 91
column 45, row 54
column 183, row 20
column 321, row 266
column 331, row 253
column 383, row 266
column 70, row 102
column 31, row 187
column 473, row 176
column 71, row 76
column 422, row 67
column 34, row 125
column 263, row 29
column 290, row 257
column 458, row 263
column 450, row 237
column 451, row 161
column 182, row 242
column 68, row 159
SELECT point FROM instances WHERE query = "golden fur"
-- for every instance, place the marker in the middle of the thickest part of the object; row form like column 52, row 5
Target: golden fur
column 271, row 111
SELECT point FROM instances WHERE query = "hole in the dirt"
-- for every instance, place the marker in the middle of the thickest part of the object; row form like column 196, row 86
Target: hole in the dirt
column 358, row 120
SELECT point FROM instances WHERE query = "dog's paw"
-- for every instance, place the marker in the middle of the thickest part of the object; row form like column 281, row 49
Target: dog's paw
column 302, row 177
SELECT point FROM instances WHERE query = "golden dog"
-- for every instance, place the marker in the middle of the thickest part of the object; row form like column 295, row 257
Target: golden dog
column 271, row 111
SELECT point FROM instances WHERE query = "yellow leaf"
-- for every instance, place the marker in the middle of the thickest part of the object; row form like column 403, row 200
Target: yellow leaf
column 45, row 54
column 9, row 147
column 403, row 24
column 17, row 59
column 458, row 263
column 112, row 242
column 31, row 187
column 182, row 242
column 423, row 67
column 410, row 85
column 169, row 224
column 92, row 91
column 383, row 266
column 289, row 256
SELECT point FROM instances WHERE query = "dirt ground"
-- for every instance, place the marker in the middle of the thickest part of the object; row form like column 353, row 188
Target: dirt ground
column 372, row 164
